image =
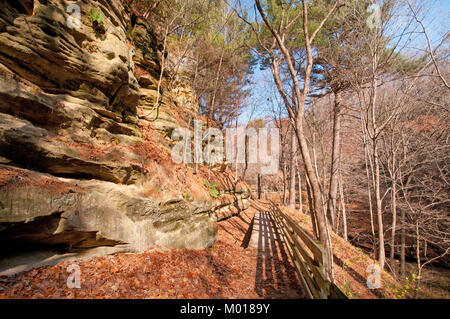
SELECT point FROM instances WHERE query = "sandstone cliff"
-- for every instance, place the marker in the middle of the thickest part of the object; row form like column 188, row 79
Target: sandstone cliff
column 85, row 164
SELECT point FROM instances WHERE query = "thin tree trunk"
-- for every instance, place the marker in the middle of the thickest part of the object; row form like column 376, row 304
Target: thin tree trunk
column 244, row 171
column 376, row 165
column 369, row 169
column 311, row 210
column 163, row 60
column 213, row 100
column 375, row 155
column 394, row 223
column 316, row 170
column 338, row 219
column 342, row 200
column 381, row 250
column 299, row 178
column 292, row 177
column 369, row 193
column 318, row 208
column 403, row 244
column 335, row 158
column 419, row 268
column 259, row 186
column 284, row 183
column 196, row 70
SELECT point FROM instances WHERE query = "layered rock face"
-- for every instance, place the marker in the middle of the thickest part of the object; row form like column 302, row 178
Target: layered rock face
column 85, row 157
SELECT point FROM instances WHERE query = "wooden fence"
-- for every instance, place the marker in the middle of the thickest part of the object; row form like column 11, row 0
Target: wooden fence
column 308, row 257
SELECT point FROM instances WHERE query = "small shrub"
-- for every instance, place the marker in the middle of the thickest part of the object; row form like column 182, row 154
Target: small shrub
column 346, row 264
column 213, row 190
column 407, row 288
column 115, row 140
column 347, row 290
column 96, row 16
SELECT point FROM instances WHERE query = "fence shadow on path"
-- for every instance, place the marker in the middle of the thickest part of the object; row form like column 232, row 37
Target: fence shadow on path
column 275, row 275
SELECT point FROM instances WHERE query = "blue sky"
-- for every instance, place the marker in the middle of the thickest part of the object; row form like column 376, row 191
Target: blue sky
column 437, row 22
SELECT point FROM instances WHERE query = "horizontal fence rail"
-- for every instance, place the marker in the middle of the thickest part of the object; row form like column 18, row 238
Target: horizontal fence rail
column 308, row 257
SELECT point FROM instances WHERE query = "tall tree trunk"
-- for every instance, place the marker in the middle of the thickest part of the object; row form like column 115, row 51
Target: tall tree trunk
column 311, row 208
column 376, row 163
column 284, row 183
column 378, row 203
column 335, row 158
column 403, row 244
column 296, row 116
column 246, row 154
column 299, row 178
column 376, row 160
column 342, row 200
column 316, row 169
column 419, row 267
column 213, row 99
column 369, row 170
column 394, row 223
column 318, row 208
column 369, row 193
column 292, row 177
column 259, row 186
column 158, row 89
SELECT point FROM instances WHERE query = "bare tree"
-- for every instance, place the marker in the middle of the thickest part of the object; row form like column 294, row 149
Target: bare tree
column 296, row 105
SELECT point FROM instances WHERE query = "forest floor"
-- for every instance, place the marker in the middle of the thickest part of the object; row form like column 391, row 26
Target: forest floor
column 229, row 269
